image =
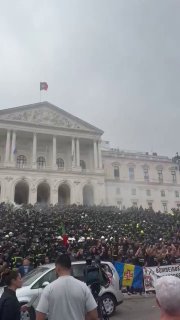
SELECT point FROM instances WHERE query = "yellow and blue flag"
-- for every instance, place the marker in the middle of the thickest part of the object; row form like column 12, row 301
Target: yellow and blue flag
column 129, row 275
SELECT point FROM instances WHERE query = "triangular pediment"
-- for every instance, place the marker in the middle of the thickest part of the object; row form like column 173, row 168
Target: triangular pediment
column 46, row 114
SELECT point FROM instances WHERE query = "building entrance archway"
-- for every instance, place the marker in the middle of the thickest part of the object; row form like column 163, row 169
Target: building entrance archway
column 43, row 193
column 64, row 195
column 21, row 193
column 88, row 196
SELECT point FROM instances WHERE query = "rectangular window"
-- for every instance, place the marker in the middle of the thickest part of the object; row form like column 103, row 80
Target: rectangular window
column 117, row 190
column 163, row 193
column 148, row 193
column 149, row 204
column 146, row 174
column 177, row 194
column 116, row 172
column 164, row 204
column 178, row 205
column 134, row 204
column 160, row 176
column 131, row 174
column 119, row 204
column 133, row 192
column 173, row 173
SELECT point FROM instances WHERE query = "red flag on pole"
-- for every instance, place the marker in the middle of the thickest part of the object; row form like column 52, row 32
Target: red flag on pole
column 43, row 86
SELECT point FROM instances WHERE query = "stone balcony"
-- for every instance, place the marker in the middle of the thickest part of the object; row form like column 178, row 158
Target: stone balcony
column 64, row 170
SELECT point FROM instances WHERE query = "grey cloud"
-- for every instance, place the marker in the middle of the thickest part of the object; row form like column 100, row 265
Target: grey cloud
column 115, row 63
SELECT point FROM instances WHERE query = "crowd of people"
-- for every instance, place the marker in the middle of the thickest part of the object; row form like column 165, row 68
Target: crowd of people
column 40, row 232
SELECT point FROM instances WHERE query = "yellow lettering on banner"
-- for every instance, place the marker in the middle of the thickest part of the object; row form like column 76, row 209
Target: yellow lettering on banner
column 128, row 275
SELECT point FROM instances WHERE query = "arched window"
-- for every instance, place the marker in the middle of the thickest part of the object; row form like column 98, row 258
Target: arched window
column 21, row 161
column 83, row 164
column 60, row 163
column 41, row 162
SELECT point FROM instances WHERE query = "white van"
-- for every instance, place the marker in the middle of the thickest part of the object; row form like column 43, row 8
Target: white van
column 39, row 278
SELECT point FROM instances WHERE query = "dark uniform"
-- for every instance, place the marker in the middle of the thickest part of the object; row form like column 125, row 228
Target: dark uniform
column 9, row 305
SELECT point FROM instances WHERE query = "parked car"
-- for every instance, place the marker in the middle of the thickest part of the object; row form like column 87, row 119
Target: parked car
column 39, row 278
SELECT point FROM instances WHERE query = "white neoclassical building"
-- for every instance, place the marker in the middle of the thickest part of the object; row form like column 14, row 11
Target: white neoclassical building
column 49, row 155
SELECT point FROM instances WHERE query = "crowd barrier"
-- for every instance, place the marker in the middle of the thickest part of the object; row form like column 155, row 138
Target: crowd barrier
column 138, row 277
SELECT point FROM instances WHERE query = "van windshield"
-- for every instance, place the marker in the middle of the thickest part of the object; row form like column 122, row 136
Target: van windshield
column 33, row 275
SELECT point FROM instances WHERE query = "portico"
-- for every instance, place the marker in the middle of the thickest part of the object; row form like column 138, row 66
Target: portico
column 72, row 154
column 43, row 142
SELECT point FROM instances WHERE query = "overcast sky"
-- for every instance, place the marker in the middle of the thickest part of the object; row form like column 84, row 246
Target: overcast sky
column 113, row 63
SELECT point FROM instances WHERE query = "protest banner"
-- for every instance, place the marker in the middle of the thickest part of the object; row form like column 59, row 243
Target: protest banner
column 151, row 274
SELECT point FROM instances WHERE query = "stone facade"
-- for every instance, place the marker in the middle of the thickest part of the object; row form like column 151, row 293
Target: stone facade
column 49, row 155
column 141, row 179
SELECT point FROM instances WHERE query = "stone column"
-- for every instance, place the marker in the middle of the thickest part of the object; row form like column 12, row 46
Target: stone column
column 77, row 153
column 95, row 155
column 54, row 153
column 7, row 153
column 34, row 157
column 73, row 155
column 33, row 195
column 54, row 196
column 13, row 147
column 76, row 193
column 99, row 155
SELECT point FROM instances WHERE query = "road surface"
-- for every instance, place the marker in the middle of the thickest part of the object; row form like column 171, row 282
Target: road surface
column 137, row 308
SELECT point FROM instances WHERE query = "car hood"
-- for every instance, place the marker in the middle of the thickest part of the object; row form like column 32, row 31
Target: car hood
column 19, row 292
column 22, row 291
